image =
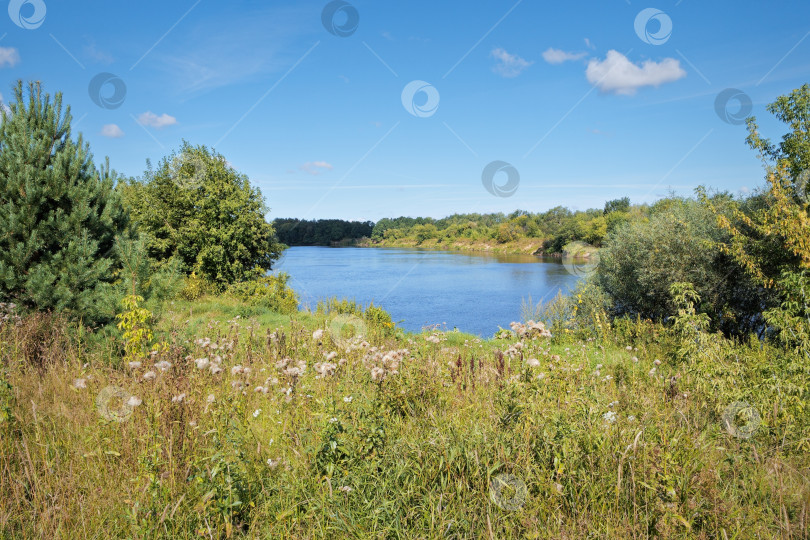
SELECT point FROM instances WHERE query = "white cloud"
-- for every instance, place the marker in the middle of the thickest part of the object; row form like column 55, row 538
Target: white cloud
column 112, row 131
column 557, row 56
column 316, row 167
column 9, row 57
column 509, row 65
column 151, row 119
column 589, row 44
column 619, row 75
column 97, row 55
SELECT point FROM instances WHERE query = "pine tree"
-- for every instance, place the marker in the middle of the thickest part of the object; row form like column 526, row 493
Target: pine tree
column 59, row 214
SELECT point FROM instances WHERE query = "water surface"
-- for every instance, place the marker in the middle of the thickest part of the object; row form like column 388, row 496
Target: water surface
column 475, row 293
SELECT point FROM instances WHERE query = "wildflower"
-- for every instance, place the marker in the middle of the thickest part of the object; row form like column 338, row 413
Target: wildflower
column 652, row 372
column 163, row 365
column 317, row 335
column 609, row 416
column 608, row 378
column 377, row 374
column 533, row 362
column 281, row 364
column 262, row 389
column 631, row 418
column 134, row 401
column 347, row 399
column 598, row 366
column 210, row 398
column 149, row 375
column 541, row 376
column 344, row 489
column 342, row 362
column 80, row 383
column 333, row 420
column 236, row 370
column 256, row 413
column 657, row 362
column 331, row 356
column 238, row 385
column 273, row 463
column 628, row 348
column 215, row 369
column 179, row 399
column 134, row 365
column 635, row 360
column 202, row 363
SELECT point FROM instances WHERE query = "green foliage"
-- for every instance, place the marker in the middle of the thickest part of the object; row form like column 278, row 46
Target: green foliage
column 321, row 232
column 135, row 325
column 379, row 320
column 143, row 276
column 195, row 287
column 617, row 205
column 333, row 306
column 6, row 402
column 198, row 208
column 271, row 292
column 641, row 260
column 59, row 215
column 551, row 230
column 794, row 110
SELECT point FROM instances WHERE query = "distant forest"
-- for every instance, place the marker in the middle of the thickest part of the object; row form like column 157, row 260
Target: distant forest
column 552, row 229
column 321, row 232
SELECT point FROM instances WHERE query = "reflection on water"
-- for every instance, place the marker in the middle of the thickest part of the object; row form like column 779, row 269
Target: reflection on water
column 475, row 293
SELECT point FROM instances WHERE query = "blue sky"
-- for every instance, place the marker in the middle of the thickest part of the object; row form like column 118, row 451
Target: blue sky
column 584, row 102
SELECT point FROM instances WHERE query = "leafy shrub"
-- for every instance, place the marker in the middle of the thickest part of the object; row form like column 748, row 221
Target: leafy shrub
column 379, row 320
column 344, row 306
column 640, row 261
column 195, row 286
column 270, row 292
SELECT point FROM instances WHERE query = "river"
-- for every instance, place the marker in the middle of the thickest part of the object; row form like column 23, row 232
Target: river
column 475, row 293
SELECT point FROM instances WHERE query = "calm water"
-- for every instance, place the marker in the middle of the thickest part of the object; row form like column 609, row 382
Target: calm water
column 474, row 293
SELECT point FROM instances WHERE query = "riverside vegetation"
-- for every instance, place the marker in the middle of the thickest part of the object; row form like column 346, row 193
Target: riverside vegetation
column 178, row 392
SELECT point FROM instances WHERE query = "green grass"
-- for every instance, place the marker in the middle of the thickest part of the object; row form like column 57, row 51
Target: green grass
column 452, row 442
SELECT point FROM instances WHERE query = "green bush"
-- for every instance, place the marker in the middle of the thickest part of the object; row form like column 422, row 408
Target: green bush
column 641, row 260
column 269, row 291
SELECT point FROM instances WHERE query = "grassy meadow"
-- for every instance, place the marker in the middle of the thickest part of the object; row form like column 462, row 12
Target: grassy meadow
column 215, row 419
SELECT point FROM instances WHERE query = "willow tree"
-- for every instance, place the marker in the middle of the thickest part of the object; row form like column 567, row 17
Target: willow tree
column 59, row 213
